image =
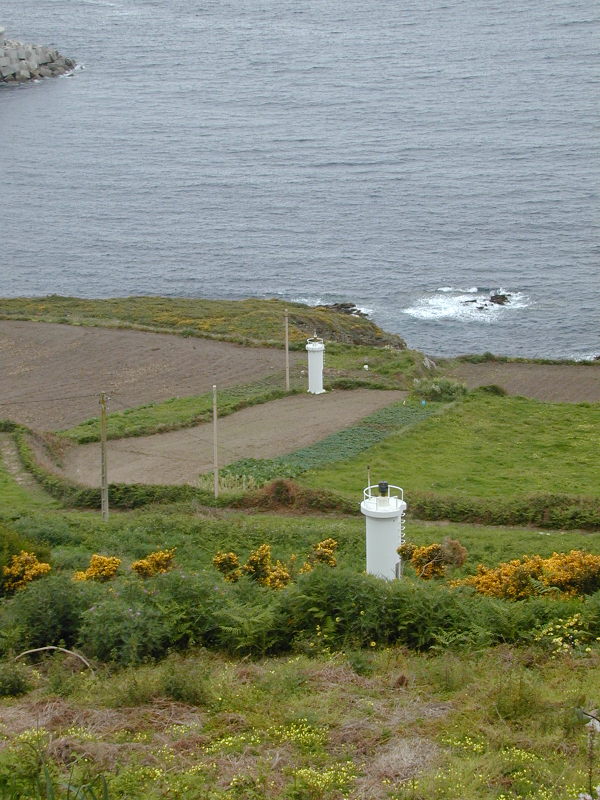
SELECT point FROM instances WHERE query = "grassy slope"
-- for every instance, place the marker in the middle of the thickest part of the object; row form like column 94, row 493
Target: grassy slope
column 477, row 725
column 257, row 321
column 487, row 447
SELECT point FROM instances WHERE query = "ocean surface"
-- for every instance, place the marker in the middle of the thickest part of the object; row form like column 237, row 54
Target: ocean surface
column 411, row 157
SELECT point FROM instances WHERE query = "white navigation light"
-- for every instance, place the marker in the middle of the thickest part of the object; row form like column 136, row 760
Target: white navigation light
column 315, row 348
column 383, row 506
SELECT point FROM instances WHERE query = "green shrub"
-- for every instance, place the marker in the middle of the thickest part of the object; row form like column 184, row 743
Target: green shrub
column 48, row 612
column 438, row 390
column 185, row 681
column 246, row 620
column 124, row 626
column 14, row 679
column 492, row 388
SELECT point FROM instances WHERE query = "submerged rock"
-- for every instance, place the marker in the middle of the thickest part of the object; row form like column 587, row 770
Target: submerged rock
column 500, row 299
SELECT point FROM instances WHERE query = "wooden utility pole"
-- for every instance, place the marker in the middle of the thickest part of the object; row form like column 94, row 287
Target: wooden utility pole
column 215, row 448
column 103, row 470
column 287, row 352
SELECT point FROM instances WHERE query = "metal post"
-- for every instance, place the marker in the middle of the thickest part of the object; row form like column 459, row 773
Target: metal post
column 103, row 462
column 215, row 448
column 287, row 352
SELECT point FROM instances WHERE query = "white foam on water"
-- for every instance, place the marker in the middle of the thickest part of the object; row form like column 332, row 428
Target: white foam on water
column 466, row 305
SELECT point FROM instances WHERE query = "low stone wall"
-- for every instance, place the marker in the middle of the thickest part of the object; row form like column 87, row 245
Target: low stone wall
column 24, row 62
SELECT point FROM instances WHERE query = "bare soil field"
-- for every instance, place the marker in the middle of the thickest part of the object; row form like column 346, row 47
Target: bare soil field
column 551, row 383
column 52, row 374
column 263, row 431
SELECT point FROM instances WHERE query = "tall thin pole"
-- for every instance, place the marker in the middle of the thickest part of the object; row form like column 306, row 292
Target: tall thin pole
column 287, row 352
column 215, row 448
column 103, row 465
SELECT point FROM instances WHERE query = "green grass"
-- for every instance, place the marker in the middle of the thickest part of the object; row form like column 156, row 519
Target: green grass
column 74, row 536
column 484, row 447
column 244, row 321
column 15, row 499
column 180, row 412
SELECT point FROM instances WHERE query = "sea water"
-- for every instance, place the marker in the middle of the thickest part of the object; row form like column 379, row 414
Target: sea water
column 411, row 157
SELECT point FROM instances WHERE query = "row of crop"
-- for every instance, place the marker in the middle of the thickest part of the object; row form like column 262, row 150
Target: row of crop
column 132, row 619
column 338, row 446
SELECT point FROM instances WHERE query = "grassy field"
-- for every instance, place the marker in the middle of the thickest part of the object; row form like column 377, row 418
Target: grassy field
column 329, row 720
column 254, row 320
column 486, row 446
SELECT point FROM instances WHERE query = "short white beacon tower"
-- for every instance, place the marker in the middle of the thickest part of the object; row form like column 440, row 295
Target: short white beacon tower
column 384, row 512
column 315, row 348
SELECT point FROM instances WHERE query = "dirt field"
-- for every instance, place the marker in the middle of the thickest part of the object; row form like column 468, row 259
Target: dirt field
column 52, row 374
column 262, row 431
column 551, row 383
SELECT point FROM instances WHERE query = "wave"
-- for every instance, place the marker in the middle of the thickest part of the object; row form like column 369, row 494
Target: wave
column 467, row 305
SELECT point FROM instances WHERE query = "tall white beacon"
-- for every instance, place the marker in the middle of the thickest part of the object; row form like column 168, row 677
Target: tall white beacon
column 383, row 506
column 315, row 348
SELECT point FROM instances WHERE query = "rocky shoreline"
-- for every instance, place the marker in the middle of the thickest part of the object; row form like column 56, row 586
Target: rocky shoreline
column 21, row 62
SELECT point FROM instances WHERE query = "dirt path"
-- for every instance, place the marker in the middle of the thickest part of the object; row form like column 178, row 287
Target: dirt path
column 262, row 431
column 551, row 383
column 52, row 374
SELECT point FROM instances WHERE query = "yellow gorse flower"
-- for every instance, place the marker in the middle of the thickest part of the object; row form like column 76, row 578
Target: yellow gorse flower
column 101, row 569
column 22, row 569
column 154, row 564
column 570, row 574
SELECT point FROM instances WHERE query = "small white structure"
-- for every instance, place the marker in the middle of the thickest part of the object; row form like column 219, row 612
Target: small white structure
column 383, row 511
column 315, row 348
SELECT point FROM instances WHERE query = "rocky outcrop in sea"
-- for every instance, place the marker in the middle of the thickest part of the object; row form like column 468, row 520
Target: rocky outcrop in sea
column 21, row 62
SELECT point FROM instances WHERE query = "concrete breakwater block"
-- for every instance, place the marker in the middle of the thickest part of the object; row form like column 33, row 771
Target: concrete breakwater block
column 21, row 62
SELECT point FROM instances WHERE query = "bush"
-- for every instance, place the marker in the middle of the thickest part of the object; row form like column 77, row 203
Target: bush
column 124, row 627
column 139, row 620
column 571, row 574
column 12, row 543
column 14, row 679
column 101, row 569
column 438, row 390
column 154, row 564
column 22, row 569
column 185, row 681
column 47, row 612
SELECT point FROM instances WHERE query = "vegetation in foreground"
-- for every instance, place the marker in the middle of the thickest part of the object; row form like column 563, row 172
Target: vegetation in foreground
column 479, row 724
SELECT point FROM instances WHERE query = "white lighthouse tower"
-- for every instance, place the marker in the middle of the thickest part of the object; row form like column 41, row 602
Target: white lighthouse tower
column 315, row 348
column 383, row 506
